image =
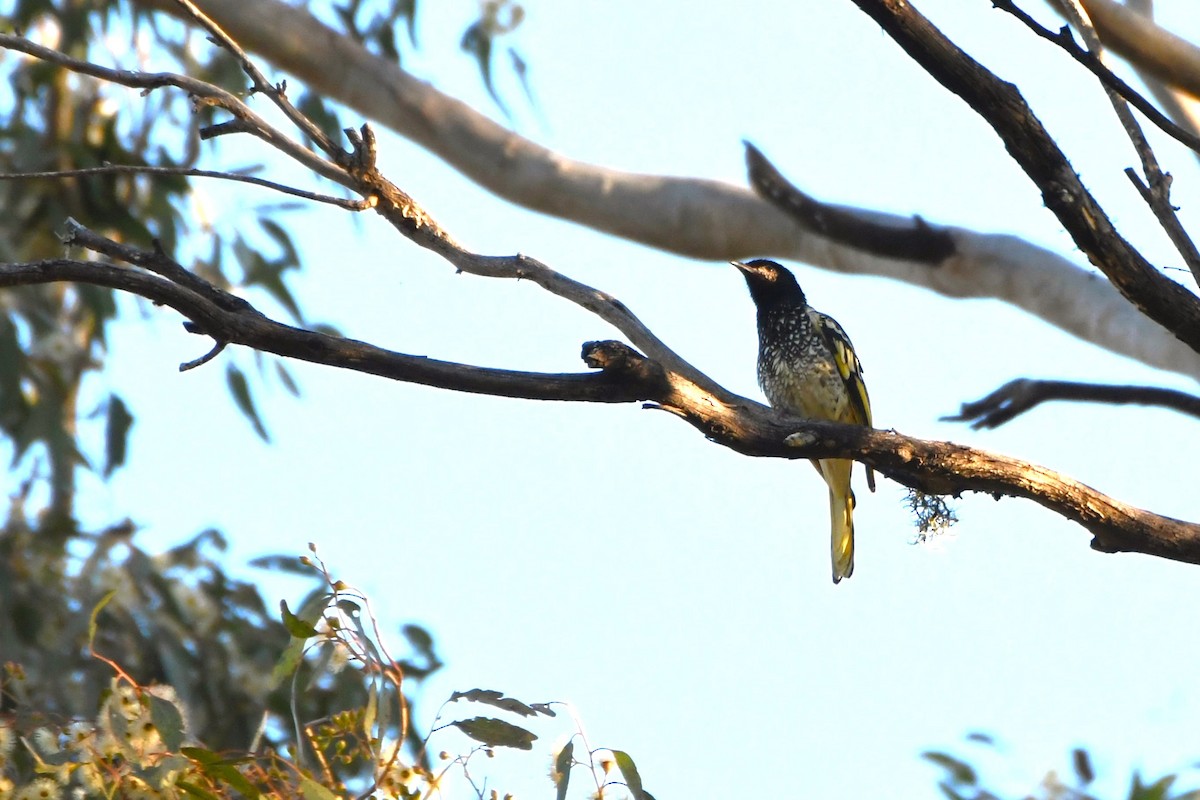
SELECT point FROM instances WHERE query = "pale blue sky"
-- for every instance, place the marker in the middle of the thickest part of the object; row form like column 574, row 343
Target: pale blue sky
column 676, row 593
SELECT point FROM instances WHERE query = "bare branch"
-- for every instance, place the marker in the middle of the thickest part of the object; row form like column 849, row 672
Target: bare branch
column 205, row 92
column 1180, row 106
column 133, row 169
column 1023, row 394
column 626, row 376
column 704, row 219
column 1090, row 59
column 217, row 348
column 407, row 216
column 276, row 93
column 1173, row 60
column 1157, row 194
column 999, row 102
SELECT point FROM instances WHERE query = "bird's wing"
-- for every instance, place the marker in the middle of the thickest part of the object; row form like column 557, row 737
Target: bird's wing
column 848, row 367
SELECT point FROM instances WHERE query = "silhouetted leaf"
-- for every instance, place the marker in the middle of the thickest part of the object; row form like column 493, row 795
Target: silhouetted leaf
column 1083, row 766
column 478, row 42
column 291, row 258
column 285, row 377
column 493, row 698
column 960, row 771
column 408, row 10
column 240, row 389
column 522, row 70
column 326, row 329
column 1155, row 791
column 117, row 423
column 496, row 733
column 562, row 769
column 282, row 563
column 313, row 106
column 13, row 405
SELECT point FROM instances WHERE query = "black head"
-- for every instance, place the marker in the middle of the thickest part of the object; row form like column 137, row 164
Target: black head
column 770, row 284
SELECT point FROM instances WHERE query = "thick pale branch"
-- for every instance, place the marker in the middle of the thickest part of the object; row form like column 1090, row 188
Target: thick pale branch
column 1002, row 106
column 626, row 376
column 917, row 242
column 1173, row 60
column 1023, row 394
column 701, row 218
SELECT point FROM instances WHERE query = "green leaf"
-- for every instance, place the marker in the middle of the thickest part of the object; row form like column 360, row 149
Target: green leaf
column 285, row 377
column 298, row 628
column 629, row 771
column 162, row 772
column 1155, row 791
column 493, row 698
column 315, row 791
column 959, row 771
column 195, row 791
column 477, row 41
column 13, row 403
column 496, row 733
column 281, row 563
column 370, row 711
column 228, row 773
column 240, row 389
column 291, row 258
column 95, row 614
column 116, row 434
column 202, row 755
column 169, row 721
column 562, row 769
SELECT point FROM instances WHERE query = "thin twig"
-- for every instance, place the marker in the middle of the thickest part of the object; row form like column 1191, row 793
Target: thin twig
column 1023, row 394
column 1156, row 190
column 1107, row 76
column 217, row 347
column 277, row 93
column 133, row 169
column 206, row 92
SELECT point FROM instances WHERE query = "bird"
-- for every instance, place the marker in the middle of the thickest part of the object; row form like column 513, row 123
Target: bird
column 807, row 367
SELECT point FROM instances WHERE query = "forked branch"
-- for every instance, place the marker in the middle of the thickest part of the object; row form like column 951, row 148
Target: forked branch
column 1032, row 147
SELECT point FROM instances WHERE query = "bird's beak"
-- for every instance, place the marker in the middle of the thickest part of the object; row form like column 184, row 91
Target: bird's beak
column 741, row 266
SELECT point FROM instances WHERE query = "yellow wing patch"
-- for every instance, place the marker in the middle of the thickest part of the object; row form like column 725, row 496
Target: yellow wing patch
column 850, row 370
column 848, row 366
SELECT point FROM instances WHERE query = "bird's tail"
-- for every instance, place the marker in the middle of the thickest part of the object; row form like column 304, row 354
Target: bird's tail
column 836, row 472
